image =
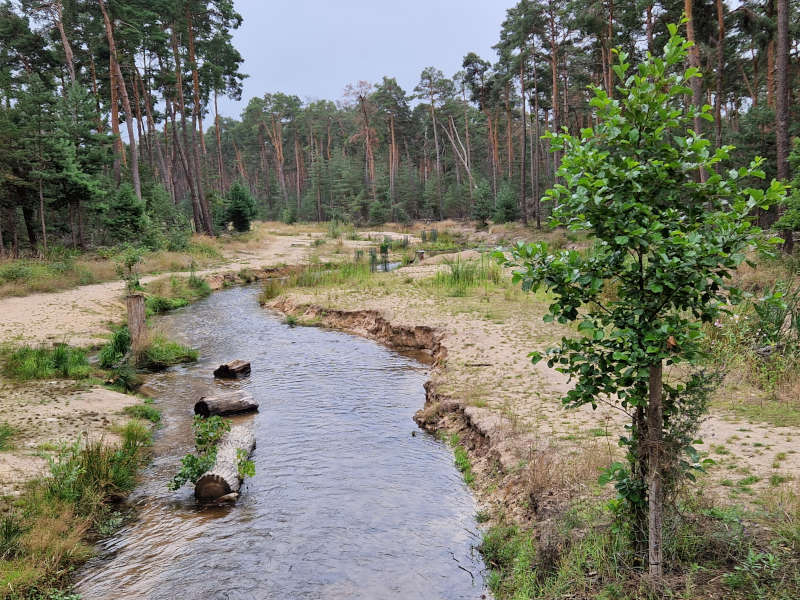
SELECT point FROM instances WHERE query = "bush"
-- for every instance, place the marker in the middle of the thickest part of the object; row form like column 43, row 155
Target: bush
column 60, row 361
column 482, row 205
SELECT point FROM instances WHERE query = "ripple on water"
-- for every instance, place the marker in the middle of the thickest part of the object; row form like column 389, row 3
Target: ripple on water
column 346, row 503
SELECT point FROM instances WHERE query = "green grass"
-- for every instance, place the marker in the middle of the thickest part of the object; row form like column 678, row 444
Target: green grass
column 165, row 295
column 6, row 433
column 60, row 361
column 43, row 533
column 116, row 348
column 460, row 277
column 145, row 412
column 161, row 353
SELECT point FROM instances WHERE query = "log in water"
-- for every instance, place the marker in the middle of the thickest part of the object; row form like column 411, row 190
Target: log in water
column 224, row 478
column 226, row 403
column 232, row 370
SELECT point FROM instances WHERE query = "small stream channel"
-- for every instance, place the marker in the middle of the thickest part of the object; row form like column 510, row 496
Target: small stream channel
column 346, row 502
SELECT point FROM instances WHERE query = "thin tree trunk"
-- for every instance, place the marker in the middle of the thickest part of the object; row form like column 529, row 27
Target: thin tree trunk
column 655, row 492
column 523, row 174
column 41, row 218
column 782, row 104
column 65, row 42
column 720, row 74
column 695, row 83
column 217, row 126
column 195, row 78
column 438, row 159
column 119, row 150
column 126, row 105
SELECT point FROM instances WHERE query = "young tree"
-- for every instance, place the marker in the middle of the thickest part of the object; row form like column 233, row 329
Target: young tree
column 665, row 246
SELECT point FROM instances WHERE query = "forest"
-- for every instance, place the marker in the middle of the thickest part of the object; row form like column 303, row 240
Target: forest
column 109, row 129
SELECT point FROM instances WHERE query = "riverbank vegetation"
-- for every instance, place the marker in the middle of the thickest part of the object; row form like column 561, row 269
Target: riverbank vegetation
column 46, row 532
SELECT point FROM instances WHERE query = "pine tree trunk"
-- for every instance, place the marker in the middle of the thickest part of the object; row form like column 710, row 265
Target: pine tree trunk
column 68, row 57
column 720, row 72
column 782, row 104
column 655, row 492
column 438, row 159
column 524, row 153
column 41, row 218
column 696, row 82
column 195, row 78
column 126, row 104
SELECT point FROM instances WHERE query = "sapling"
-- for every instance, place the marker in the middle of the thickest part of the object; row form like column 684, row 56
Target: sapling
column 665, row 245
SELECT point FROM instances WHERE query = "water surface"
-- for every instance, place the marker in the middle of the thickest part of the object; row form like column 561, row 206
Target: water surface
column 346, row 502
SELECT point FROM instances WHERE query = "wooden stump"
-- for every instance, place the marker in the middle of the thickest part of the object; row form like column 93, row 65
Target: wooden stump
column 226, row 403
column 420, row 255
column 233, row 369
column 223, row 478
column 136, row 321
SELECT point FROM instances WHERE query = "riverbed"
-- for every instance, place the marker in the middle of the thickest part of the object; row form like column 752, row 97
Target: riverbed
column 350, row 499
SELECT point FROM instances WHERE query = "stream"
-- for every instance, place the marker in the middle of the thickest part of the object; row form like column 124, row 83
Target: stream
column 345, row 503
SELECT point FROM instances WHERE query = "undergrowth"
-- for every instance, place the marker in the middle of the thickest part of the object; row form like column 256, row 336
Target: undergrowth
column 43, row 533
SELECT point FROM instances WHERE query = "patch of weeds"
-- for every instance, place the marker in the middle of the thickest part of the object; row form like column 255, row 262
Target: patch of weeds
column 463, row 464
column 145, row 412
column 116, row 348
column 161, row 353
column 60, row 361
column 6, row 433
column 482, row 516
column 775, row 479
column 291, row 320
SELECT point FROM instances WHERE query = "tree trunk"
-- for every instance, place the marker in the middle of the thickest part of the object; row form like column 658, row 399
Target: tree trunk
column 136, row 322
column 229, row 403
column 119, row 150
column 217, row 125
column 30, row 227
column 64, row 42
column 126, row 104
column 655, row 492
column 195, row 78
column 720, row 73
column 41, row 218
column 524, row 154
column 695, row 83
column 782, row 104
column 223, row 478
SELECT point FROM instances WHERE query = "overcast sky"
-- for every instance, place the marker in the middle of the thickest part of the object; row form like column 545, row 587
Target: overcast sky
column 313, row 48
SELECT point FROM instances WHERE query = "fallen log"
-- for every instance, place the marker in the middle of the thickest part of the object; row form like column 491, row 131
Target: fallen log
column 233, row 369
column 226, row 403
column 223, row 478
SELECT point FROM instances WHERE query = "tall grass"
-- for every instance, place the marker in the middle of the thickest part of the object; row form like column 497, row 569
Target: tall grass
column 353, row 274
column 160, row 353
column 459, row 277
column 60, row 361
column 42, row 536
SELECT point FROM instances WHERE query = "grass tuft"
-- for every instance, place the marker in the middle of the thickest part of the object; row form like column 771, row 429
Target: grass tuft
column 60, row 361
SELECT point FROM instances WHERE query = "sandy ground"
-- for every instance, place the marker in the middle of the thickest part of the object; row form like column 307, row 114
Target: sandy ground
column 517, row 405
column 486, row 371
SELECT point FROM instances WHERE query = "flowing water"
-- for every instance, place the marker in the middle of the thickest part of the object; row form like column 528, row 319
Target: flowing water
column 350, row 499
